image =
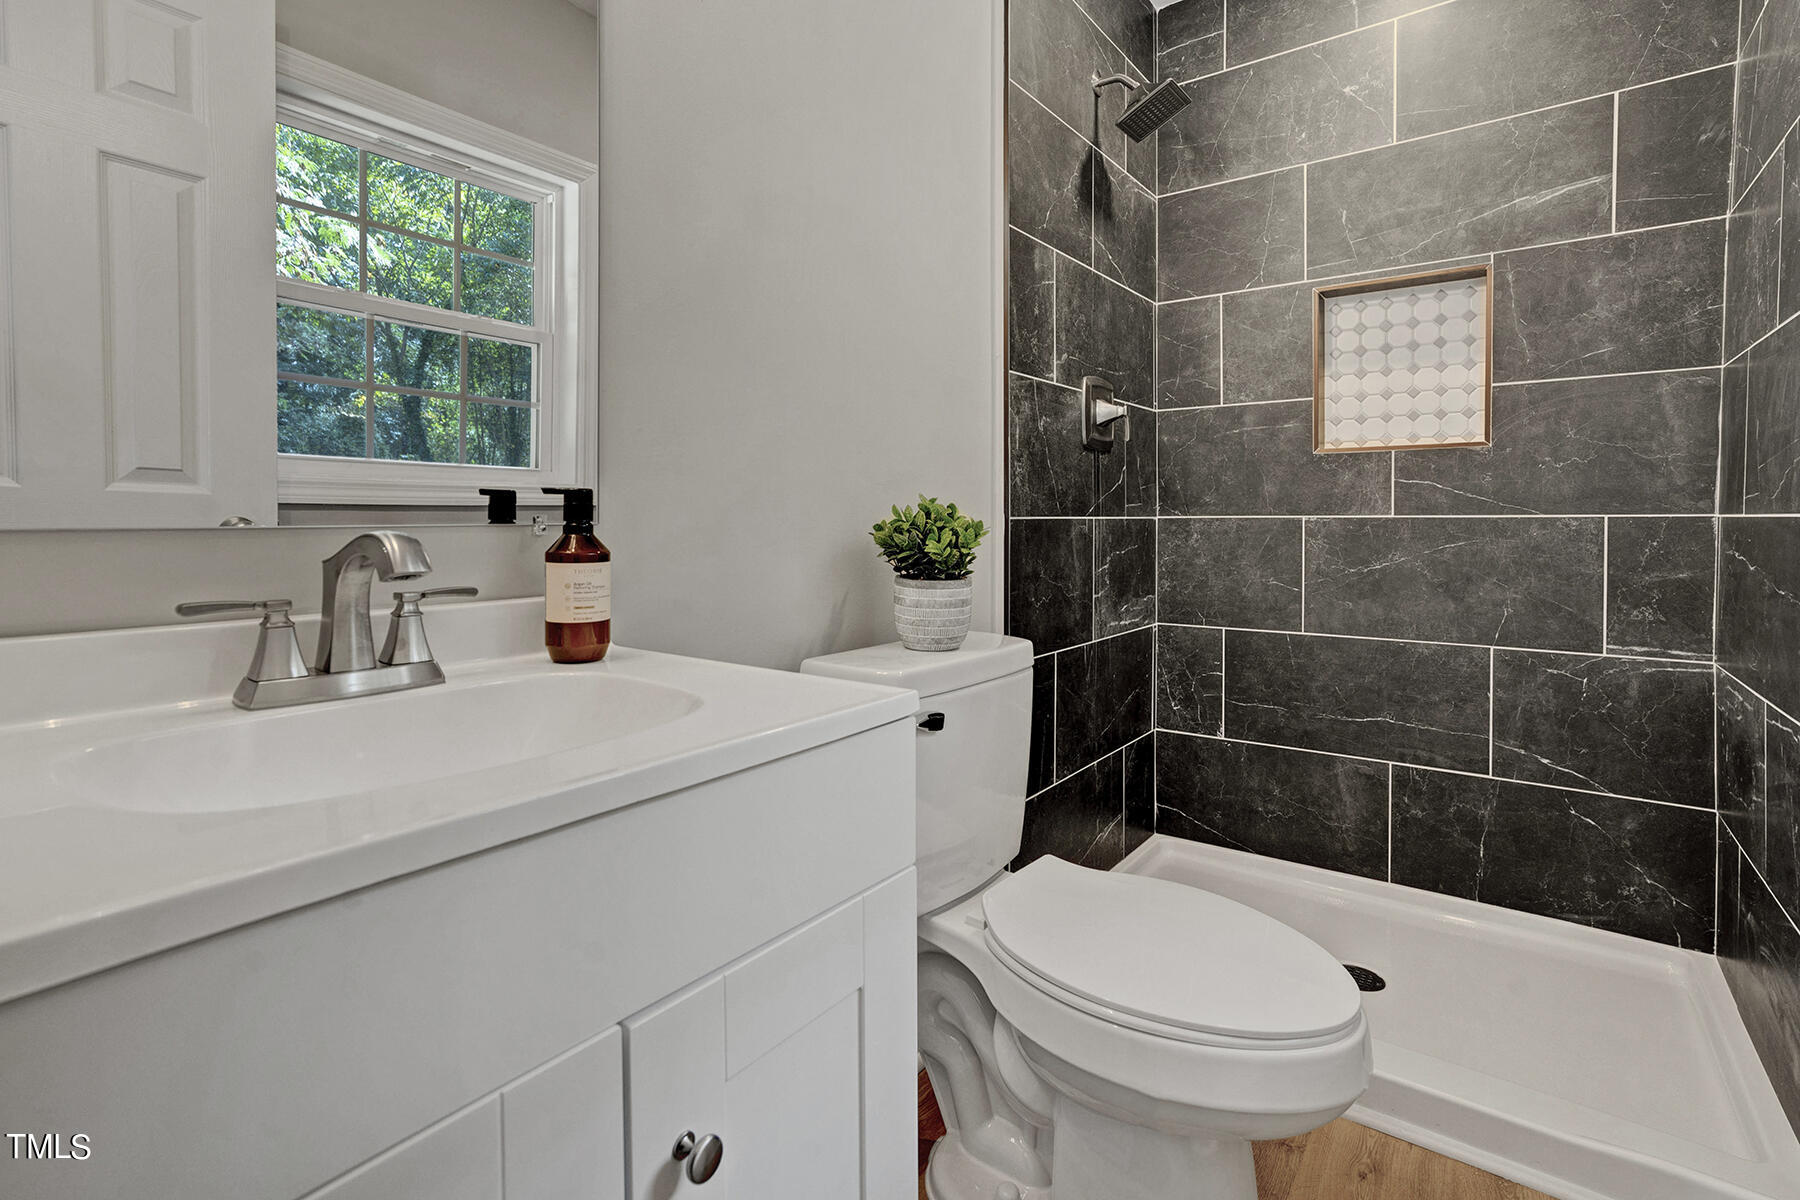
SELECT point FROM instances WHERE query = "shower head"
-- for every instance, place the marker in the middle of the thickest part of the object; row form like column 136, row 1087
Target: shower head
column 1150, row 109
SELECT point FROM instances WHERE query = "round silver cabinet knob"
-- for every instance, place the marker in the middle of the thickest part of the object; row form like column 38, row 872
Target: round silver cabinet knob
column 702, row 1156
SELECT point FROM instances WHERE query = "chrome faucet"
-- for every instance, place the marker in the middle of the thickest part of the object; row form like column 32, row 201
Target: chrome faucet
column 346, row 641
column 347, row 664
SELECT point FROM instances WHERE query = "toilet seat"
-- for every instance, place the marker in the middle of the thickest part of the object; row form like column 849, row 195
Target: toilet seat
column 1167, row 959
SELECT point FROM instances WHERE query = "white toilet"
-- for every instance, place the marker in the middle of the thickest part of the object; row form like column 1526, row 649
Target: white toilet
column 1092, row 1035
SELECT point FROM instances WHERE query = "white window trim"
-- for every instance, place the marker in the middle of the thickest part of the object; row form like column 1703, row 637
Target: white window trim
column 319, row 92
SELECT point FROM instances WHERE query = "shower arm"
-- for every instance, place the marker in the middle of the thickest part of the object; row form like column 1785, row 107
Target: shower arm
column 1130, row 84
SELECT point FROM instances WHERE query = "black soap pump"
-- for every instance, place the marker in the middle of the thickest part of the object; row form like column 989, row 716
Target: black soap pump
column 503, row 505
column 577, row 585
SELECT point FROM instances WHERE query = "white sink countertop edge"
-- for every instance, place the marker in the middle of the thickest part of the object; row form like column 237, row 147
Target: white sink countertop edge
column 85, row 887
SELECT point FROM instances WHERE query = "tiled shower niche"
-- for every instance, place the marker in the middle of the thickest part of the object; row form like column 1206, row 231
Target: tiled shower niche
column 1403, row 363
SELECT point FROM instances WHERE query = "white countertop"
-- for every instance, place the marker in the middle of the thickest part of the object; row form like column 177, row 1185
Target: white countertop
column 85, row 885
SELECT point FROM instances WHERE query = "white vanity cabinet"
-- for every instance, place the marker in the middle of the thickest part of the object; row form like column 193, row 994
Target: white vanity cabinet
column 734, row 957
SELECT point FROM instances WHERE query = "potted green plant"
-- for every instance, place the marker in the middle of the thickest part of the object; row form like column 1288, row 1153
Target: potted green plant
column 932, row 551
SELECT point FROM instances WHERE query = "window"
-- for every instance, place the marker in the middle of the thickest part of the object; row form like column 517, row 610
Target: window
column 390, row 381
column 426, row 340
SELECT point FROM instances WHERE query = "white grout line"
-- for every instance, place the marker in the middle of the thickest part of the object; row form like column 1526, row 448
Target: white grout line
column 1085, row 139
column 1305, row 217
column 1400, row 141
column 1408, row 141
column 1392, row 762
column 1696, row 663
column 1384, row 517
column 1472, row 257
column 1737, row 90
column 1390, row 824
column 1614, row 182
column 1793, row 919
column 1077, row 262
column 1504, row 383
column 1221, row 683
column 1336, row 37
column 1147, row 72
column 1303, row 574
column 1718, row 878
column 1223, row 399
column 1493, row 654
column 1772, row 706
column 1394, row 121
column 1605, row 576
column 1090, row 766
column 1764, row 166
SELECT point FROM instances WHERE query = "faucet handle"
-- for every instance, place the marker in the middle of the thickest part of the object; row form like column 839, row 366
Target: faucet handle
column 406, row 626
column 206, row 608
column 277, row 646
column 406, row 598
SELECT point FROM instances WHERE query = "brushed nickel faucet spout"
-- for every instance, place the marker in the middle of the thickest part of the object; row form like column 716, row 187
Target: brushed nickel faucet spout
column 346, row 641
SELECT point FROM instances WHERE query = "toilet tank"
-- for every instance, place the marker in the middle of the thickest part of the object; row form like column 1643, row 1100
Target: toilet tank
column 971, row 775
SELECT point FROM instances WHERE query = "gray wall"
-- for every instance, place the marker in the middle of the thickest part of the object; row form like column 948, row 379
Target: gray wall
column 1485, row 672
column 1759, row 568
column 523, row 65
column 799, row 310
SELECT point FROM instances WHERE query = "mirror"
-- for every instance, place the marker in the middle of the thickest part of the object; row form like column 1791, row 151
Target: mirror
column 344, row 270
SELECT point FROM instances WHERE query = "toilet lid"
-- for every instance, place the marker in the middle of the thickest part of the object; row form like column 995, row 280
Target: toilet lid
column 1168, row 953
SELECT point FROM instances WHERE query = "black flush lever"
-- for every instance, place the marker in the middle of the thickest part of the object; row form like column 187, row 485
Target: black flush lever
column 932, row 722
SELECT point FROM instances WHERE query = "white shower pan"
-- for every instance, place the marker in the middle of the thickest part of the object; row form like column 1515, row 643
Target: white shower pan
column 1585, row 1064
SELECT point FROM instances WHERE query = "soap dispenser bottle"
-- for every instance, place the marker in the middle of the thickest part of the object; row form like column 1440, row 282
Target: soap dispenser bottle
column 577, row 585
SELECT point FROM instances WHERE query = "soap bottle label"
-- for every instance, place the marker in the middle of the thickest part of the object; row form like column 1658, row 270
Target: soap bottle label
column 577, row 593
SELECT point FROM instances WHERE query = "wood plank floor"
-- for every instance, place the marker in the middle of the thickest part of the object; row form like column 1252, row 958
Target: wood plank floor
column 1347, row 1161
column 1342, row 1161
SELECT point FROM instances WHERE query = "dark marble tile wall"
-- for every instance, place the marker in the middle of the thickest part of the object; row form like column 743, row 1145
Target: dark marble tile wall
column 1759, row 949
column 1081, row 282
column 1757, row 740
column 1499, row 662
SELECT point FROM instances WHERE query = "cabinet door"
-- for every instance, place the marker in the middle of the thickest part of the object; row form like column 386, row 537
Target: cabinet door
column 456, row 1159
column 799, row 1058
column 137, row 241
column 564, row 1126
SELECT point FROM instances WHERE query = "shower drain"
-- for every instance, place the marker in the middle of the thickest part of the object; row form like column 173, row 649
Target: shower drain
column 1366, row 980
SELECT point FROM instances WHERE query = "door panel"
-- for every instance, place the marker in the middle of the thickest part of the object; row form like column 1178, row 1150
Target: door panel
column 137, row 357
column 675, row 1083
column 776, row 991
column 799, row 1057
column 795, row 1117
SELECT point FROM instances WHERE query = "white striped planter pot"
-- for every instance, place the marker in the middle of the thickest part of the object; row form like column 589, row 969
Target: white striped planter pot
column 933, row 614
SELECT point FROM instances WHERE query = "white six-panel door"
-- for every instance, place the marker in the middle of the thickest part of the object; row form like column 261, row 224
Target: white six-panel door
column 136, row 262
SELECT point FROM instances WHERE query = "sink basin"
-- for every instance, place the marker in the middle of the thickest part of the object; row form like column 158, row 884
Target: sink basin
column 139, row 810
column 268, row 759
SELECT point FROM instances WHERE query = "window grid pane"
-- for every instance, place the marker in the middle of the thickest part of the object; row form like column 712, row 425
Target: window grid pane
column 418, row 394
column 500, row 241
column 414, row 400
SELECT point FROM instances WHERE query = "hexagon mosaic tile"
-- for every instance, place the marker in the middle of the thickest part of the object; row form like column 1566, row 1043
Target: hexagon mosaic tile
column 1406, row 366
